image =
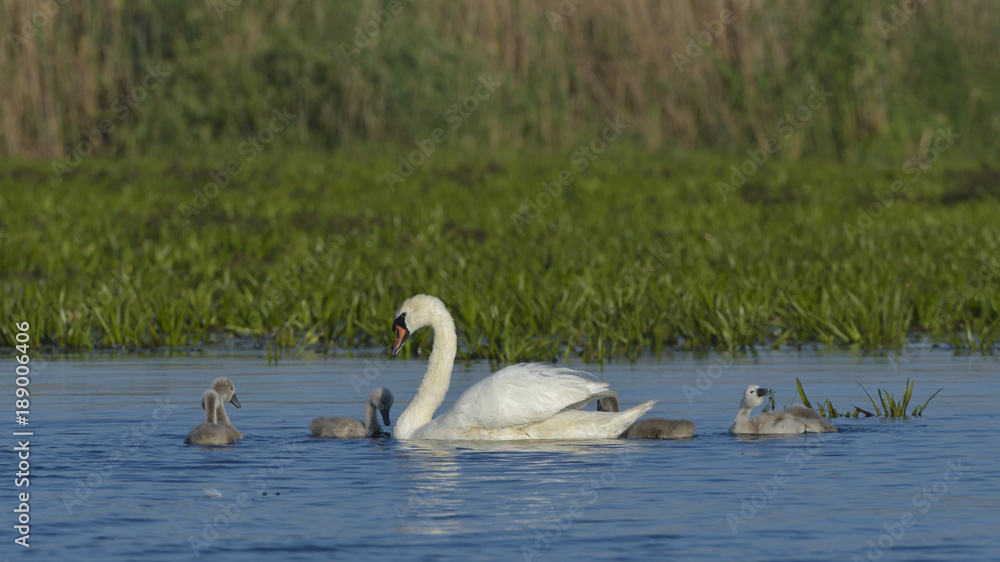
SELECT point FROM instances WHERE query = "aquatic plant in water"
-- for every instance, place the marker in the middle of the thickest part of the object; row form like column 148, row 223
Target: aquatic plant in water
column 891, row 407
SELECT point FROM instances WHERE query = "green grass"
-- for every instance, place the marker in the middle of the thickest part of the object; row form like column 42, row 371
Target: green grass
column 894, row 408
column 891, row 408
column 640, row 253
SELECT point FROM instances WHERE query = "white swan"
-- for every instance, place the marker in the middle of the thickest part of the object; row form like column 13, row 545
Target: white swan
column 793, row 419
column 210, row 432
column 526, row 401
column 380, row 400
column 227, row 393
column 653, row 428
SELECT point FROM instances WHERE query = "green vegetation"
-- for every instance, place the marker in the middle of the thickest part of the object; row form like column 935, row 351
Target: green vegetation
column 640, row 252
column 770, row 406
column 897, row 409
column 893, row 408
column 290, row 171
column 719, row 74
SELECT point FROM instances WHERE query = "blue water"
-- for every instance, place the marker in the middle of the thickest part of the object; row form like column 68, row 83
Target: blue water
column 112, row 479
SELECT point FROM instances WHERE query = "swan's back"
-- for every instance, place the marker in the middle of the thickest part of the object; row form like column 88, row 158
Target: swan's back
column 338, row 427
column 813, row 422
column 210, row 434
column 659, row 428
column 791, row 420
column 653, row 428
column 580, row 424
column 525, row 394
column 531, row 401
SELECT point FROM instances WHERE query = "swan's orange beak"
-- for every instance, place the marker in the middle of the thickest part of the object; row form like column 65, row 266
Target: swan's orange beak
column 402, row 334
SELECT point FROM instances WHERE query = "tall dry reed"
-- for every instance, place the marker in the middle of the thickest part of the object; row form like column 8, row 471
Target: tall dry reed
column 722, row 74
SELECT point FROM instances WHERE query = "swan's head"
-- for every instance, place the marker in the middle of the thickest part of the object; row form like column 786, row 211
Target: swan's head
column 226, row 391
column 415, row 313
column 381, row 399
column 608, row 404
column 754, row 396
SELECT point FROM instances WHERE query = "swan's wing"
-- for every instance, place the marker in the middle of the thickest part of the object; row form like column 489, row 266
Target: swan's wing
column 814, row 423
column 800, row 411
column 775, row 423
column 524, row 394
column 341, row 427
column 209, row 434
column 659, row 428
column 793, row 419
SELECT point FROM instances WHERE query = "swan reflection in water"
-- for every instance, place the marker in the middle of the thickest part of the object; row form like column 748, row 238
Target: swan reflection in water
column 449, row 485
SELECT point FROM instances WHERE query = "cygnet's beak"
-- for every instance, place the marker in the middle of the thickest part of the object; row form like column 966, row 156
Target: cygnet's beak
column 235, row 401
column 402, row 333
column 385, row 417
column 762, row 392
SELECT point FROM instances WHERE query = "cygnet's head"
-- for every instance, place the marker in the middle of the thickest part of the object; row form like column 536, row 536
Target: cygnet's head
column 754, row 396
column 608, row 404
column 381, row 399
column 415, row 313
column 226, row 391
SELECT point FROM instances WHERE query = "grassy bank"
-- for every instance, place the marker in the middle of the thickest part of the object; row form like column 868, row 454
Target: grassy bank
column 636, row 252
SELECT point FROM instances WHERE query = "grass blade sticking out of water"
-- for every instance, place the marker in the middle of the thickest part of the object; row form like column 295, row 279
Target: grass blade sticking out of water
column 831, row 409
column 802, row 393
column 907, row 393
column 920, row 411
column 890, row 406
column 877, row 411
column 893, row 405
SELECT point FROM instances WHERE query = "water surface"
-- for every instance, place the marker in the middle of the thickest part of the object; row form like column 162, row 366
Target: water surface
column 111, row 477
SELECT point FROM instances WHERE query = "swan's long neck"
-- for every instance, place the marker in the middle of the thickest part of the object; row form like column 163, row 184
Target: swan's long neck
column 220, row 412
column 434, row 386
column 371, row 419
column 210, row 414
column 744, row 414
